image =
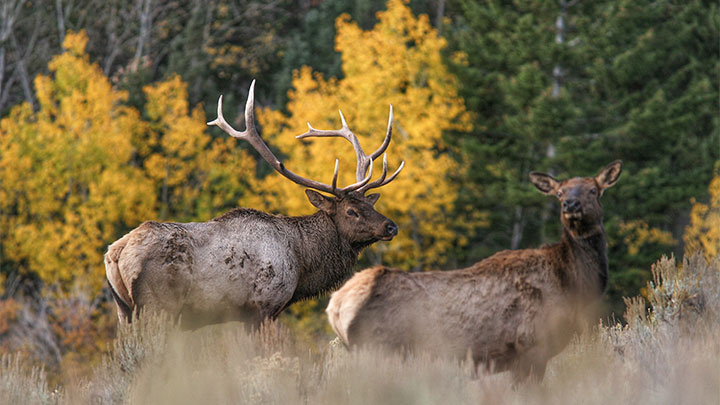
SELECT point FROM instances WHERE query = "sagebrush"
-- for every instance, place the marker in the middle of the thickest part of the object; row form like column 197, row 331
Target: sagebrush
column 666, row 352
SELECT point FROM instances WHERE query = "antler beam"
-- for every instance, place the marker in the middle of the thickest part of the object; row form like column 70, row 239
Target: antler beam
column 362, row 160
column 364, row 166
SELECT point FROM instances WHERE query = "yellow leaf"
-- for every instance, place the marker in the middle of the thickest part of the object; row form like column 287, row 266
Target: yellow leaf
column 703, row 233
column 398, row 62
column 69, row 187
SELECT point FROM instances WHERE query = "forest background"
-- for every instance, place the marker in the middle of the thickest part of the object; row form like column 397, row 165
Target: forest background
column 104, row 104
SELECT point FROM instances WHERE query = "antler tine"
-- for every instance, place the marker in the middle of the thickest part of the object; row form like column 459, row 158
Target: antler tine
column 382, row 181
column 364, row 167
column 382, row 176
column 251, row 135
column 364, row 162
column 360, row 184
column 343, row 132
column 361, row 158
column 334, row 181
column 388, row 135
column 220, row 122
column 392, row 177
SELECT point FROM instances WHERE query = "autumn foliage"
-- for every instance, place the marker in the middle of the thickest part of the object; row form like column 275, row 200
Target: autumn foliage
column 85, row 168
column 82, row 170
column 703, row 233
column 398, row 62
column 112, row 135
column 69, row 185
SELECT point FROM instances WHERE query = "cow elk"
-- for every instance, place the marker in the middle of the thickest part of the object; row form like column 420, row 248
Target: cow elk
column 249, row 265
column 512, row 311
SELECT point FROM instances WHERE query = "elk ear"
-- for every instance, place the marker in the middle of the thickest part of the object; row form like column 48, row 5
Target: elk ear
column 609, row 175
column 372, row 198
column 320, row 201
column 544, row 182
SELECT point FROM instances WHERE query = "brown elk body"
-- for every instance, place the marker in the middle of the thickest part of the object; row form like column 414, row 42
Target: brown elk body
column 512, row 311
column 246, row 264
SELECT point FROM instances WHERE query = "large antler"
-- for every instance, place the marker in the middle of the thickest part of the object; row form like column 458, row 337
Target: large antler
column 251, row 135
column 363, row 161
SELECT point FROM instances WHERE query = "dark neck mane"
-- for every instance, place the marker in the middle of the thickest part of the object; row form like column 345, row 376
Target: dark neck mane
column 586, row 260
column 326, row 258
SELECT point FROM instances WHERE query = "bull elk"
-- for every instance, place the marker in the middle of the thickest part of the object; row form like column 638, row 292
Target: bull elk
column 250, row 265
column 512, row 311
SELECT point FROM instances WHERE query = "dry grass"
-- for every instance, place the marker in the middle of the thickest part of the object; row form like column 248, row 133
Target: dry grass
column 668, row 353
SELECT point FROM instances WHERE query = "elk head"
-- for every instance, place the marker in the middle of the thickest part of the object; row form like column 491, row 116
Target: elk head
column 355, row 217
column 581, row 211
column 349, row 208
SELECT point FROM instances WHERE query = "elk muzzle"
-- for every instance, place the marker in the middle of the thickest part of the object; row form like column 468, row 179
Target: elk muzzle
column 572, row 209
column 391, row 229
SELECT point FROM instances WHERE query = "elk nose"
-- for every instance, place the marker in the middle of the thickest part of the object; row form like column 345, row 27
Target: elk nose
column 391, row 228
column 571, row 205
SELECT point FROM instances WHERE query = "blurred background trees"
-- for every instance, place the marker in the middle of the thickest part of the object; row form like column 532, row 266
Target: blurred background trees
column 103, row 107
column 399, row 63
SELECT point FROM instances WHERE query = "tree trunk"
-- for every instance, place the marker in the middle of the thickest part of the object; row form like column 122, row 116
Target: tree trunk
column 9, row 12
column 518, row 227
column 60, row 20
column 20, row 67
column 440, row 15
column 560, row 29
column 558, row 77
column 2, row 73
column 145, row 23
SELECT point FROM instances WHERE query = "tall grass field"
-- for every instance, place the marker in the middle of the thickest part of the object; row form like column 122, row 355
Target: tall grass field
column 666, row 352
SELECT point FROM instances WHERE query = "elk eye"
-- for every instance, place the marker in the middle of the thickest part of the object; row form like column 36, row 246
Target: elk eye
column 351, row 212
column 559, row 193
column 593, row 191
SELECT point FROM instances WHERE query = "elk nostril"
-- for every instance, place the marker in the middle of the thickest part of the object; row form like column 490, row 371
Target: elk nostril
column 571, row 205
column 391, row 228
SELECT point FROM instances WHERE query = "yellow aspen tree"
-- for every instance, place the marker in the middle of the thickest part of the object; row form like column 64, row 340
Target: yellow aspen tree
column 637, row 233
column 703, row 233
column 195, row 177
column 398, row 62
column 177, row 138
column 67, row 185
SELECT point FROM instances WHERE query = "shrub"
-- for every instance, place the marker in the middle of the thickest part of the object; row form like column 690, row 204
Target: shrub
column 666, row 352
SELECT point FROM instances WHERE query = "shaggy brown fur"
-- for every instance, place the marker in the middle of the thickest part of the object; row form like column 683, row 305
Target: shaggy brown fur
column 514, row 310
column 244, row 265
